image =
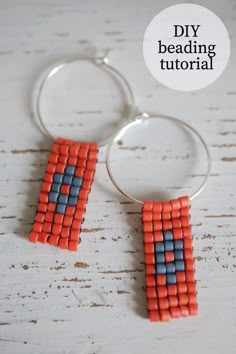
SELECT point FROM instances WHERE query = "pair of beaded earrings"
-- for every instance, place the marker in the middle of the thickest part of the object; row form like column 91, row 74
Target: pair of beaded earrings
column 168, row 254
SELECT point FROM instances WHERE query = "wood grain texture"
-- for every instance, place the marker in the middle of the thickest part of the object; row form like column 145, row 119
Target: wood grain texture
column 93, row 301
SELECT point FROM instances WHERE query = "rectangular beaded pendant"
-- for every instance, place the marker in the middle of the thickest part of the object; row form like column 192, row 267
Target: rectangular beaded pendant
column 64, row 193
column 169, row 263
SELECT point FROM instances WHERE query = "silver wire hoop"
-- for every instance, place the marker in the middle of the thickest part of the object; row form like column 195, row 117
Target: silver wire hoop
column 138, row 119
column 54, row 69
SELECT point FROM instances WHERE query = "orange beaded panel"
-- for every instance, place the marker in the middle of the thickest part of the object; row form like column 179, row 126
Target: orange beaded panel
column 170, row 283
column 64, row 193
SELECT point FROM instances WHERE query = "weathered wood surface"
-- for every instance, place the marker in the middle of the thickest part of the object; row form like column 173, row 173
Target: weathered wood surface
column 93, row 301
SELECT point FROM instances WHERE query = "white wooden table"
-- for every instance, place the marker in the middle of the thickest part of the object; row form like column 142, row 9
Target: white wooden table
column 93, row 301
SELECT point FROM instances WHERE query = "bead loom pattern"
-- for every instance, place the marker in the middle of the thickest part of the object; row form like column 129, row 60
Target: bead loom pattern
column 64, row 193
column 169, row 263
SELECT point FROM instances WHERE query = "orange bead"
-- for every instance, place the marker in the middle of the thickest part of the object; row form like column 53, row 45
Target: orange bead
column 189, row 264
column 83, row 194
column 63, row 159
column 154, row 316
column 175, row 312
column 175, row 214
column 88, row 175
column 72, row 161
column 165, row 216
column 147, row 206
column 151, row 293
column 147, row 216
column 93, row 147
column 147, row 226
column 183, row 299
column 149, row 259
column 46, row 187
column 70, row 211
column 39, row 217
column 150, row 281
column 188, row 243
column 184, row 202
column 177, row 234
column 79, row 172
column 33, row 237
column 56, row 229
column 74, row 150
column 176, row 223
column 59, row 141
column 184, row 212
column 43, row 237
column 189, row 276
column 51, row 168
column 156, row 216
column 91, row 165
column 60, row 168
column 58, row 219
column 152, row 304
column 157, row 225
column 53, row 240
column 49, row 216
column 37, row 227
column 81, row 204
column 192, row 288
column 73, row 245
column 162, row 291
column 166, row 225
column 182, row 288
column 188, row 253
column 187, row 232
column 65, row 232
column 43, row 197
column 185, row 221
column 150, row 269
column 180, row 277
column 148, row 237
column 192, row 299
column 169, row 256
column 83, row 153
column 158, row 236
column 82, row 163
column 149, row 248
column 193, row 309
column 51, row 207
column 56, row 149
column 76, row 224
column 67, row 221
column 47, row 226
column 74, row 235
column 64, row 150
column 166, row 207
column 65, row 189
column 184, row 312
column 163, row 303
column 172, row 289
column 165, row 315
column 175, row 204
column 173, row 301
column 48, row 177
column 42, row 207
column 161, row 279
column 157, row 207
column 79, row 214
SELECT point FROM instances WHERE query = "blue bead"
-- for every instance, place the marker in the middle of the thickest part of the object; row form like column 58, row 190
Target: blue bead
column 72, row 201
column 160, row 268
column 178, row 244
column 170, row 267
column 58, row 177
column 77, row 181
column 169, row 245
column 56, row 187
column 179, row 266
column 53, row 197
column 160, row 258
column 61, row 208
column 67, row 179
column 74, row 191
column 179, row 255
column 170, row 278
column 63, row 199
column 159, row 247
column 168, row 235
column 70, row 170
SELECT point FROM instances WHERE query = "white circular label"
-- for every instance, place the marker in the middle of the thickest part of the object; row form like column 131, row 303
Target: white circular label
column 186, row 47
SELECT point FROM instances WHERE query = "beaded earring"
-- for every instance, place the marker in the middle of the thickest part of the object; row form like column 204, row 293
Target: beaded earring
column 69, row 174
column 168, row 253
